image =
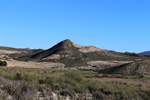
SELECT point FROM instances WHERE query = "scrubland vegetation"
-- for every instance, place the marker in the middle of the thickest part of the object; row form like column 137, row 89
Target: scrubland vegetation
column 69, row 83
column 3, row 63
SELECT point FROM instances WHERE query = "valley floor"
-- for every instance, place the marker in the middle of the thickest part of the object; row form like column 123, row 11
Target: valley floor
column 58, row 84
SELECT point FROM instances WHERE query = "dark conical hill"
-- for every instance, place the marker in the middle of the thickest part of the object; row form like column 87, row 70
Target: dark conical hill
column 61, row 49
column 72, row 54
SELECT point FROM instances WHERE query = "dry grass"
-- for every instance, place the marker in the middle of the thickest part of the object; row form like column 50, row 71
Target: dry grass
column 32, row 64
column 9, row 52
column 71, row 83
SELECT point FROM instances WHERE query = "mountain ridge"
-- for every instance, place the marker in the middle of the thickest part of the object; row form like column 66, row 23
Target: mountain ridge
column 72, row 54
column 145, row 53
column 14, row 49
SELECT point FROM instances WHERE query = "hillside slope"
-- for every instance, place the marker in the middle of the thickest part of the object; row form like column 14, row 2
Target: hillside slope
column 10, row 50
column 135, row 68
column 72, row 54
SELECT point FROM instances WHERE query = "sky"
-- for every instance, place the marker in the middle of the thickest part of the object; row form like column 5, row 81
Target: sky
column 119, row 25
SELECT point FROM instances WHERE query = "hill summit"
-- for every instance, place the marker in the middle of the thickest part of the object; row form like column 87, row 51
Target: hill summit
column 71, row 54
column 65, row 49
column 67, row 44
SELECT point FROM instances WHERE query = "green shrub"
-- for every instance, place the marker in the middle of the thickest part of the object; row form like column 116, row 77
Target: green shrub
column 18, row 76
column 93, row 87
column 140, row 76
column 70, row 83
column 3, row 63
column 105, row 75
column 73, row 76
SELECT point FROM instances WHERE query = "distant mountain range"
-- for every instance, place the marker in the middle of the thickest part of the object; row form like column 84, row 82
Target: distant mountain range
column 145, row 53
column 14, row 49
column 10, row 50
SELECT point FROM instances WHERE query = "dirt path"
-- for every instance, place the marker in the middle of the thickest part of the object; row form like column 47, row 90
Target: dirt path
column 128, row 81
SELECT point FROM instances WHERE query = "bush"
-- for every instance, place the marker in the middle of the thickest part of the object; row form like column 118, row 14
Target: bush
column 18, row 76
column 140, row 76
column 73, row 76
column 3, row 63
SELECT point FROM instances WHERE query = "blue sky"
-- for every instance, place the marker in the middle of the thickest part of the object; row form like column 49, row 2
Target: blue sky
column 120, row 25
